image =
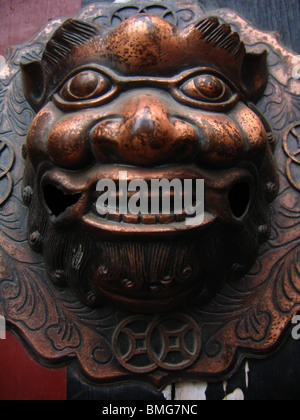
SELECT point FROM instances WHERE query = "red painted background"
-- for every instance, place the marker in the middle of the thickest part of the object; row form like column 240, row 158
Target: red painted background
column 21, row 377
column 21, row 19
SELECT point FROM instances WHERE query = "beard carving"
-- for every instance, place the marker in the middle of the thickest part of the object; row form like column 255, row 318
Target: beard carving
column 160, row 103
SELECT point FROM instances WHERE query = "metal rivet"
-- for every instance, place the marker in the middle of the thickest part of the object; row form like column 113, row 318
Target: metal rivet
column 128, row 284
column 27, row 195
column 187, row 272
column 58, row 277
column 102, row 271
column 271, row 191
column 264, row 233
column 91, row 298
column 155, row 288
column 166, row 281
column 35, row 239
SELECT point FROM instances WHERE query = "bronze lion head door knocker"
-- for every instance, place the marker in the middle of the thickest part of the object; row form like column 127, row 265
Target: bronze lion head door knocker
column 133, row 95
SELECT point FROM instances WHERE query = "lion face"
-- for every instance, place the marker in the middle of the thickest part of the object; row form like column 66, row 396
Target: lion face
column 157, row 102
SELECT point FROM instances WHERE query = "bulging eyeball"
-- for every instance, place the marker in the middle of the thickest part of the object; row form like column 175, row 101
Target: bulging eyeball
column 85, row 85
column 206, row 88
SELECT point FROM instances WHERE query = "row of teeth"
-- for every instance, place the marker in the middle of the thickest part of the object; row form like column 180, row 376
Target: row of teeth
column 146, row 219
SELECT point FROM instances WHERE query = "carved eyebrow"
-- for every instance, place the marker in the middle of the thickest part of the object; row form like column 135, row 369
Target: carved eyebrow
column 71, row 34
column 220, row 36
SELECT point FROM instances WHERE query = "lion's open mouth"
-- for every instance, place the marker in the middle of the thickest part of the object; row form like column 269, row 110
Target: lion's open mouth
column 72, row 197
column 58, row 201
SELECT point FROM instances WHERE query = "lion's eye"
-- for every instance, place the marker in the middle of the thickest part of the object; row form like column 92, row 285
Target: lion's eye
column 85, row 85
column 206, row 88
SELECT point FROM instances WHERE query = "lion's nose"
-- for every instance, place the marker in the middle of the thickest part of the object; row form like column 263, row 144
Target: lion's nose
column 145, row 134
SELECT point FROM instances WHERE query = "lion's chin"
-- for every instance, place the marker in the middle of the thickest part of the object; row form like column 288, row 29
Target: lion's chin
column 148, row 275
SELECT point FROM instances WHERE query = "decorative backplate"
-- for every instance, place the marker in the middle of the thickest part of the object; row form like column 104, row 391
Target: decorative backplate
column 247, row 317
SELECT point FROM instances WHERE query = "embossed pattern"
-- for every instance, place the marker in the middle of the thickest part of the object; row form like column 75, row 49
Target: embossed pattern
column 171, row 342
column 291, row 144
column 7, row 157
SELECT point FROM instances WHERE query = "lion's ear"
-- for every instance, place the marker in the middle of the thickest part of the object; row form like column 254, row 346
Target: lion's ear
column 33, row 79
column 42, row 77
column 254, row 75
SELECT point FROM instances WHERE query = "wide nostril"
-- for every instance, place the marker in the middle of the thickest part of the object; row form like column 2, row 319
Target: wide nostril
column 239, row 198
column 57, row 201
